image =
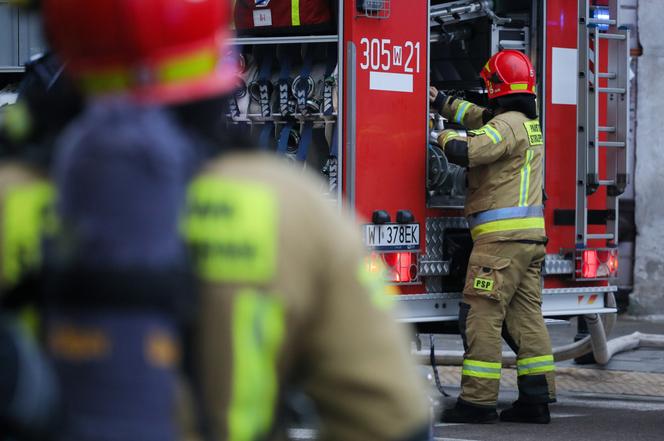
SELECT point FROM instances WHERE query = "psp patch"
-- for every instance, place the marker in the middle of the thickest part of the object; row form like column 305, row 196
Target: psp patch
column 483, row 284
column 534, row 132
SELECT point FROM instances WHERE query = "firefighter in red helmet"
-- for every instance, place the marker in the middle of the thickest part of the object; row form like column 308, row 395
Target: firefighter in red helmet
column 147, row 172
column 503, row 150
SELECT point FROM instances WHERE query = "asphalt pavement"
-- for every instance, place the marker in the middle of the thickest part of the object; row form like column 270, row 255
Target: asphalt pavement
column 623, row 400
column 575, row 417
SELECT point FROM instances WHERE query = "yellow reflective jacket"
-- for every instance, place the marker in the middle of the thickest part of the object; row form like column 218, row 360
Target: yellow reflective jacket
column 505, row 173
column 26, row 199
column 286, row 302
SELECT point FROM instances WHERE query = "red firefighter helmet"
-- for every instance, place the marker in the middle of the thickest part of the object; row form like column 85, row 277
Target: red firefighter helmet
column 508, row 72
column 158, row 51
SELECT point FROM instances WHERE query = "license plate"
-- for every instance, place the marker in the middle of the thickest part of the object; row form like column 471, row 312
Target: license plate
column 392, row 236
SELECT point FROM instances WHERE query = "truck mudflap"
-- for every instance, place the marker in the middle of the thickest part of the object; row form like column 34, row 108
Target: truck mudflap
column 556, row 302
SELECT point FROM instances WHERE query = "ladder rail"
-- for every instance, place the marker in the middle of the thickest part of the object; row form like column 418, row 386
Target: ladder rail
column 613, row 87
column 583, row 92
column 618, row 117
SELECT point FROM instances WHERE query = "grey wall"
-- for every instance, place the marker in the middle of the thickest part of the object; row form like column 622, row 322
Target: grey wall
column 20, row 37
column 648, row 296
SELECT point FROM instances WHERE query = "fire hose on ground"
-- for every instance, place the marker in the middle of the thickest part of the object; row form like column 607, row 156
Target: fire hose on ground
column 595, row 342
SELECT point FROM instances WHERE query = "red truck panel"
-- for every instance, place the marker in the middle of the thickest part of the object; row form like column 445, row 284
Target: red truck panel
column 560, row 135
column 391, row 125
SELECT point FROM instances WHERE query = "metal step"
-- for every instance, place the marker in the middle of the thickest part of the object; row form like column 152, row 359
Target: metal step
column 611, row 90
column 599, row 236
column 615, row 144
column 606, row 36
column 600, row 21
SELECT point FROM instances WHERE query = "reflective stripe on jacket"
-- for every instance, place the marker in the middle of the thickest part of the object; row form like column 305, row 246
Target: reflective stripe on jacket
column 286, row 293
column 505, row 170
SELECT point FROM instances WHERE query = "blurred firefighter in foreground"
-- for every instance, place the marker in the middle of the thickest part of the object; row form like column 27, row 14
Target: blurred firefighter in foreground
column 46, row 102
column 503, row 150
column 284, row 300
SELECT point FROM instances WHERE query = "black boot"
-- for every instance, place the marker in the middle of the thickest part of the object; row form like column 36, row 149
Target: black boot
column 464, row 412
column 526, row 413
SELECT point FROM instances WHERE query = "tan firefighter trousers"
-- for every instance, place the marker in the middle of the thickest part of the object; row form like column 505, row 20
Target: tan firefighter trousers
column 503, row 297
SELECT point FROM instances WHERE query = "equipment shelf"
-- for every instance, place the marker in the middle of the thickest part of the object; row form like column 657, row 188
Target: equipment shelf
column 300, row 39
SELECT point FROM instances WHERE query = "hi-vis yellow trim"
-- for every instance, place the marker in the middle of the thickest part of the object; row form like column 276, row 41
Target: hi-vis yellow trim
column 486, row 364
column 481, row 369
column 534, row 133
column 381, row 294
column 528, row 223
column 258, row 333
column 524, row 186
column 492, row 133
column 535, row 365
column 295, row 12
column 27, row 217
column 107, row 81
column 483, row 284
column 18, row 121
column 231, row 227
column 473, row 373
column 526, row 361
column 190, row 66
column 461, row 111
column 21, row 3
column 522, row 86
column 448, row 137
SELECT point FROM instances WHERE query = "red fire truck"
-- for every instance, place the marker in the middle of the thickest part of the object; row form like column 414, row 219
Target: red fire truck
column 394, row 50
column 365, row 83
column 343, row 88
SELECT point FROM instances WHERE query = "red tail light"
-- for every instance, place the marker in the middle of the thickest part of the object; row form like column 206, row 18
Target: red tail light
column 589, row 264
column 598, row 264
column 608, row 262
column 399, row 267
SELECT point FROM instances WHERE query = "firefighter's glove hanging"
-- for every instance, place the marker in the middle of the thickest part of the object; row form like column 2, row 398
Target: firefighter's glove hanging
column 455, row 146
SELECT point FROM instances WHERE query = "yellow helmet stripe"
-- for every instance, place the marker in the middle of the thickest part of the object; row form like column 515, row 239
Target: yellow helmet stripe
column 184, row 67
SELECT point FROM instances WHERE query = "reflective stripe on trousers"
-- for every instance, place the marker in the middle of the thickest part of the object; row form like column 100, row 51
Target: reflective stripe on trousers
column 535, row 365
column 481, row 369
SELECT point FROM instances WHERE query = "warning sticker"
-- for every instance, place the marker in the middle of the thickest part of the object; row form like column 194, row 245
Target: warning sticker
column 534, row 132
